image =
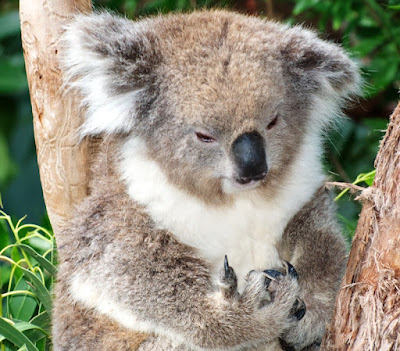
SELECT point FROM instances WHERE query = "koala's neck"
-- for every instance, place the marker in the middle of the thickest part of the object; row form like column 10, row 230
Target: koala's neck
column 247, row 230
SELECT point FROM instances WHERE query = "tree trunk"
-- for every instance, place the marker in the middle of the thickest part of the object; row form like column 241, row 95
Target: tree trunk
column 62, row 162
column 367, row 315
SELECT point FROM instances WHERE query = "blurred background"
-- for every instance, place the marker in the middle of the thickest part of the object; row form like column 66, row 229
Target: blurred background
column 368, row 29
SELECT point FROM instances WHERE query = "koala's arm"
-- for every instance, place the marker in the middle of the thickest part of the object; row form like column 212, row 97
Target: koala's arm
column 313, row 243
column 144, row 279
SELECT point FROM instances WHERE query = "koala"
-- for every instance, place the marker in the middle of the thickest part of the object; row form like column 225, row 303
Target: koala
column 207, row 225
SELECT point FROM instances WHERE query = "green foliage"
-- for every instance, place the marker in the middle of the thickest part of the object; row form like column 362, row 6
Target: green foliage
column 370, row 29
column 28, row 268
column 350, row 154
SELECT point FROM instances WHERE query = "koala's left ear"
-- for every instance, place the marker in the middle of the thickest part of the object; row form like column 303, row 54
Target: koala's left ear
column 111, row 61
column 319, row 67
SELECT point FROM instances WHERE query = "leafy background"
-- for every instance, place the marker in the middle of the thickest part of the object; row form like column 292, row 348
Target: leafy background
column 368, row 29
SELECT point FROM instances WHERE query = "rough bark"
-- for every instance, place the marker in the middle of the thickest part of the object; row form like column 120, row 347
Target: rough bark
column 367, row 315
column 62, row 162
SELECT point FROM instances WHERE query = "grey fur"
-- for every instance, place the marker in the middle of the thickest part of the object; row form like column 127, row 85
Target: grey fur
column 155, row 84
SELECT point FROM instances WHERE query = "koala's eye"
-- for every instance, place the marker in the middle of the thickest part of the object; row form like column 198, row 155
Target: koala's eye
column 204, row 138
column 272, row 123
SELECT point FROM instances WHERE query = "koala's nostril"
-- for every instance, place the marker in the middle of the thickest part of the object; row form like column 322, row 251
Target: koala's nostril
column 244, row 180
column 260, row 176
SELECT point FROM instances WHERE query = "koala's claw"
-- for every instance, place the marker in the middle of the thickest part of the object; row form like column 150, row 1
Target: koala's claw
column 299, row 309
column 226, row 266
column 228, row 280
column 290, row 270
column 272, row 274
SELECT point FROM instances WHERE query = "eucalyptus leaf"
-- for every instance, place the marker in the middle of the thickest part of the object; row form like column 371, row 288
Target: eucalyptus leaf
column 39, row 244
column 24, row 326
column 43, row 321
column 12, row 334
column 22, row 306
column 39, row 289
column 45, row 263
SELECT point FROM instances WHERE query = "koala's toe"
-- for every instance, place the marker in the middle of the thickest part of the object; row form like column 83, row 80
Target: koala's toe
column 290, row 270
column 272, row 274
column 228, row 280
column 298, row 310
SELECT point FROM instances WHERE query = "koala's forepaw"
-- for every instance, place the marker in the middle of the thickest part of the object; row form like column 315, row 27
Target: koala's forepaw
column 298, row 309
column 228, row 280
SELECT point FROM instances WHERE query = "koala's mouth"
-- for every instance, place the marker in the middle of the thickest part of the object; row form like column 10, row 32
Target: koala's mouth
column 248, row 180
column 233, row 185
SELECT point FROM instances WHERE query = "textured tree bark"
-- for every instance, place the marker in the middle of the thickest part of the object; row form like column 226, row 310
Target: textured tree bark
column 367, row 315
column 63, row 163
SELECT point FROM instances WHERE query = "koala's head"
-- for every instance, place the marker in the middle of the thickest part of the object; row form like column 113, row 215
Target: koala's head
column 223, row 103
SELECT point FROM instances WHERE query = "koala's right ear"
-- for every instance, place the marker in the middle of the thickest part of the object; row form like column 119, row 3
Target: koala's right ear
column 111, row 61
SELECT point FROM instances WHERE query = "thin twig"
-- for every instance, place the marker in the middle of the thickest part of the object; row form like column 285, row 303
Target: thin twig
column 352, row 187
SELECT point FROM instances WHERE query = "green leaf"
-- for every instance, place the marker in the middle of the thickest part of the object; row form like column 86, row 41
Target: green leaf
column 39, row 244
column 23, row 348
column 43, row 321
column 24, row 326
column 5, row 270
column 15, row 254
column 39, row 289
column 41, row 344
column 9, row 24
column 5, row 273
column 11, row 333
column 22, row 306
column 45, row 263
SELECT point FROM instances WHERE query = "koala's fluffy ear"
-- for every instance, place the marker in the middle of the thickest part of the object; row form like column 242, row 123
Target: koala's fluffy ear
column 320, row 68
column 111, row 61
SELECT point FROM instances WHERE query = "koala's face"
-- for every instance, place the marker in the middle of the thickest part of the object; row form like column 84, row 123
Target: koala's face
column 223, row 102
column 234, row 128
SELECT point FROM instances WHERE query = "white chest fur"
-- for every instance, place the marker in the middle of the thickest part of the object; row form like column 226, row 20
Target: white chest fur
column 247, row 231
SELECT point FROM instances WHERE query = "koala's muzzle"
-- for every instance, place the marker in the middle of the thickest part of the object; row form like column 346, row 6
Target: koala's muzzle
column 249, row 156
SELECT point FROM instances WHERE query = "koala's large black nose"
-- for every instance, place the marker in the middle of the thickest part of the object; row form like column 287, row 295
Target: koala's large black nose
column 249, row 155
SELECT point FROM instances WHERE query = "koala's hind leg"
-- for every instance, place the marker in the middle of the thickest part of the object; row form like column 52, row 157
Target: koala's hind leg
column 161, row 343
column 79, row 329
